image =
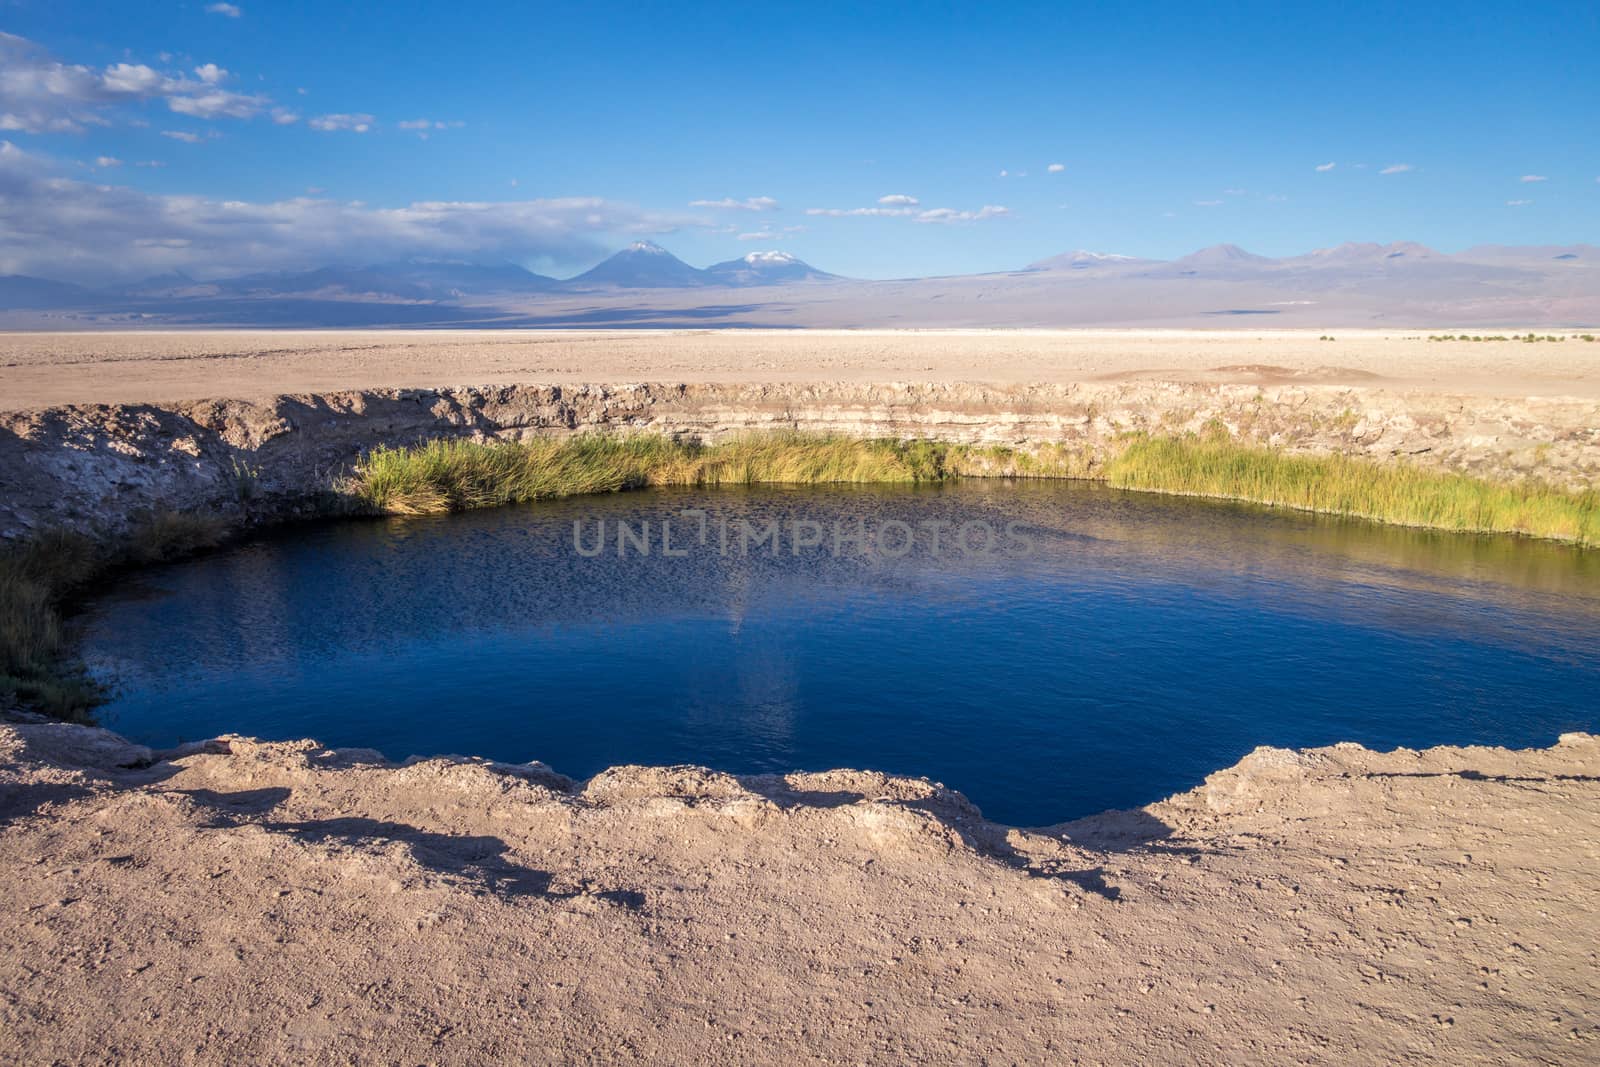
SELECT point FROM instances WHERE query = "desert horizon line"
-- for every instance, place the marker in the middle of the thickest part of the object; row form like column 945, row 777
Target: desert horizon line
column 1076, row 257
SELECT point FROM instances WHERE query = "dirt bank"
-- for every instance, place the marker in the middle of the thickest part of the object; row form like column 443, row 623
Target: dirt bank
column 96, row 465
column 284, row 903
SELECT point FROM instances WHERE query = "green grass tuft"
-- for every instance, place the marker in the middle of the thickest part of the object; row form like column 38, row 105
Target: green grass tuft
column 459, row 475
column 1341, row 485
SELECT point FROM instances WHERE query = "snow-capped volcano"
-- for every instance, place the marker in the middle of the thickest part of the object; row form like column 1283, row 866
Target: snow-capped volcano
column 766, row 268
column 642, row 265
column 1085, row 260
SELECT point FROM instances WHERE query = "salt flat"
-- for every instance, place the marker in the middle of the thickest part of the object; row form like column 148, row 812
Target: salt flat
column 43, row 369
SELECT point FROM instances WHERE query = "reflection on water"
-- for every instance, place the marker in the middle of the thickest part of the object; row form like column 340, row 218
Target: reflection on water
column 1141, row 643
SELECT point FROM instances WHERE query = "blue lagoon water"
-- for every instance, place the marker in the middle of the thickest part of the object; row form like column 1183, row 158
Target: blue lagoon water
column 1108, row 650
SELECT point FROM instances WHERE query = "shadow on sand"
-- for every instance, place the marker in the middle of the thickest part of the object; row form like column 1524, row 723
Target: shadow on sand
column 478, row 858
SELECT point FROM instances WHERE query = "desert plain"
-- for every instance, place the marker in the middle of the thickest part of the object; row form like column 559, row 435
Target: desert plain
column 109, row 367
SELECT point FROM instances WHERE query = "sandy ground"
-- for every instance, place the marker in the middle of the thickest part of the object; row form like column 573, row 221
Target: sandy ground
column 41, row 369
column 284, row 903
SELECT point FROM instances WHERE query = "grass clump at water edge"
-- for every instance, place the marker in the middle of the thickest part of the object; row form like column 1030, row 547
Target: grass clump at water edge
column 1397, row 493
column 458, row 475
column 39, row 576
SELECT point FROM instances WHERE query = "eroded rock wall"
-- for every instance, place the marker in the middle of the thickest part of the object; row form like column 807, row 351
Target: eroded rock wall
column 91, row 466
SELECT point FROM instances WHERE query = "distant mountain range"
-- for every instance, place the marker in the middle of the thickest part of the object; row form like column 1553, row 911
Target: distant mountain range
column 645, row 285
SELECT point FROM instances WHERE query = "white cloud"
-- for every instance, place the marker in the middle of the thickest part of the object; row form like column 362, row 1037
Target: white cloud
column 870, row 212
column 728, row 203
column 902, row 211
column 128, row 79
column 107, row 161
column 1005, row 174
column 232, row 11
column 423, row 126
column 358, row 123
column 1533, row 178
column 1235, row 192
column 284, row 117
column 219, row 103
column 898, row 200
column 1208, row 203
column 41, row 94
column 149, row 163
column 1323, row 168
column 1518, row 203
column 947, row 215
column 767, row 233
column 1055, row 168
column 60, row 227
column 1396, row 168
column 10, row 120
column 183, row 135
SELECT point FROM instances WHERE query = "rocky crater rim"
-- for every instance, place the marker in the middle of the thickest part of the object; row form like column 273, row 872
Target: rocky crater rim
column 90, row 756
column 254, row 460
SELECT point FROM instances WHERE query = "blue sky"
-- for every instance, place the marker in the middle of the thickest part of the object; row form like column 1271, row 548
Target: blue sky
column 557, row 131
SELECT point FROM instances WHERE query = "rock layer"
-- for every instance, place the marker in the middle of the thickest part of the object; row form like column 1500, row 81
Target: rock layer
column 97, row 465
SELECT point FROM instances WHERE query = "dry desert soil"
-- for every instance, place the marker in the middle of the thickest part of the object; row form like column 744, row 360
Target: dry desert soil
column 43, row 369
column 283, row 903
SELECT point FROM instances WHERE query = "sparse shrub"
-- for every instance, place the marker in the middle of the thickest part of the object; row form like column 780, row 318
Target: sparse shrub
column 246, row 481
